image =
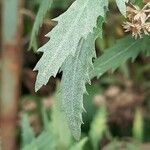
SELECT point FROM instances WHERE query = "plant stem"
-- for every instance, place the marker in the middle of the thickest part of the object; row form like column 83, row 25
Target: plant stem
column 10, row 71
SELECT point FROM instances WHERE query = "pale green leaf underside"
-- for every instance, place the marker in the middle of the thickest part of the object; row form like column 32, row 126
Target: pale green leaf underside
column 44, row 7
column 76, row 23
column 122, row 6
column 75, row 75
column 113, row 57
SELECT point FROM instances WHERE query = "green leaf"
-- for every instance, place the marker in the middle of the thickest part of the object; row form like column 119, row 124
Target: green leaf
column 45, row 141
column 27, row 132
column 61, row 4
column 75, row 75
column 122, row 6
column 79, row 145
column 60, row 127
column 113, row 57
column 44, row 7
column 76, row 23
column 98, row 126
column 146, row 46
column 52, row 136
column 138, row 125
column 45, row 118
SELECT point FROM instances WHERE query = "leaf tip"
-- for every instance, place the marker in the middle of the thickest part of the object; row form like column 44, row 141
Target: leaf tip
column 76, row 136
column 37, row 86
column 76, row 131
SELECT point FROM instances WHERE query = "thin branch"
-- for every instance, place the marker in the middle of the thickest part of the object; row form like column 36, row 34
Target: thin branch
column 30, row 14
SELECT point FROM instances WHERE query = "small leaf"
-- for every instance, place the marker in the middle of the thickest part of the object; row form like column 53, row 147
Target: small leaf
column 138, row 125
column 98, row 126
column 27, row 132
column 113, row 57
column 45, row 141
column 122, row 6
column 44, row 7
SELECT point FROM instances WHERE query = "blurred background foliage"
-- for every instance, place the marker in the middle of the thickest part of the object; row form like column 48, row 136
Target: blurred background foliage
column 117, row 105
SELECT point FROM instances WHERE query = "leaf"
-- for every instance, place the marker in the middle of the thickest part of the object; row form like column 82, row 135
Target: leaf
column 79, row 145
column 27, row 132
column 60, row 127
column 89, row 106
column 146, row 46
column 61, row 4
column 98, row 126
column 122, row 6
column 45, row 118
column 113, row 57
column 75, row 75
column 76, row 23
column 138, row 125
column 44, row 7
column 45, row 141
column 52, row 137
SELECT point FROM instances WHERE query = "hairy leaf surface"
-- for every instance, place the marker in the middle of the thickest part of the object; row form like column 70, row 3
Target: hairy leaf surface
column 76, row 23
column 75, row 75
